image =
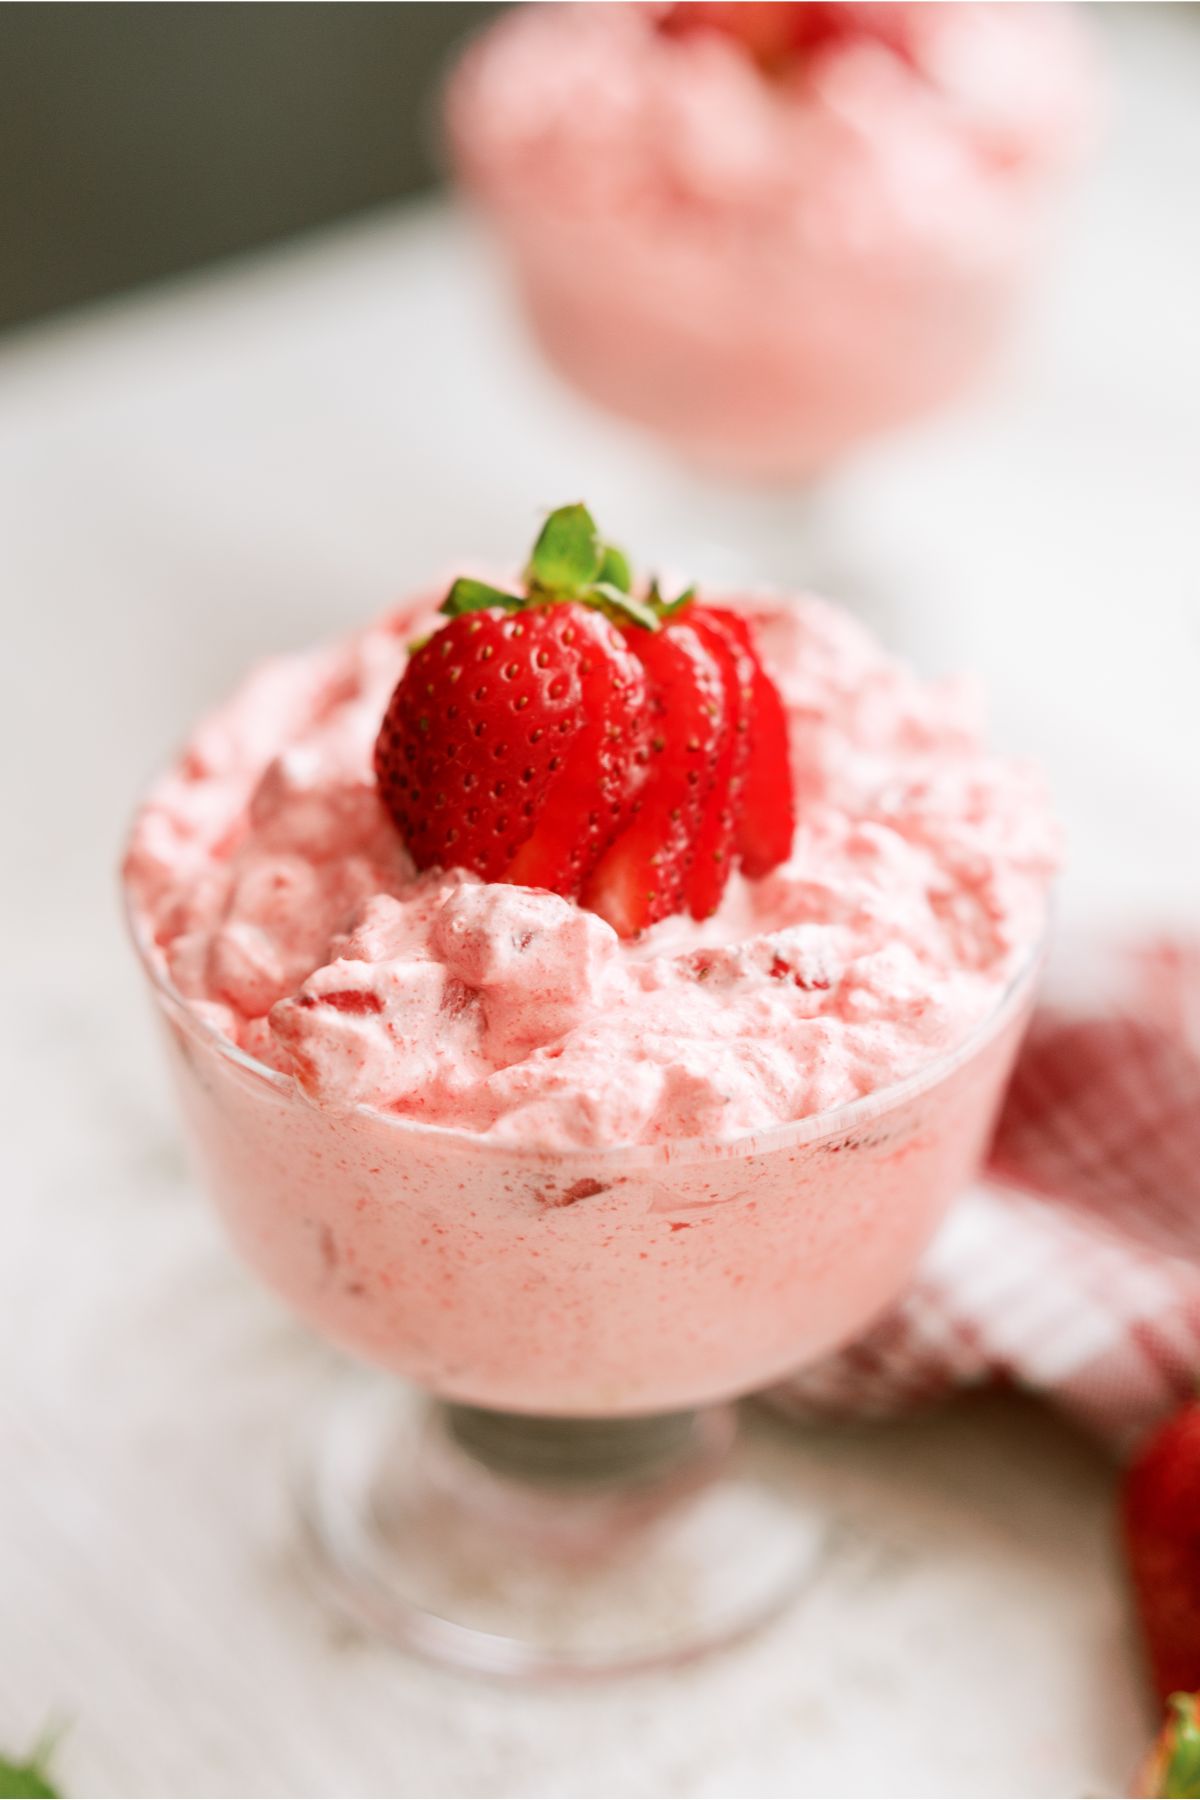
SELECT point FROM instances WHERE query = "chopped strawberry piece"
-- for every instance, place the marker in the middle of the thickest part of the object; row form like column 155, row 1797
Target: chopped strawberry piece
column 766, row 821
column 643, row 876
column 714, row 849
column 1162, row 1539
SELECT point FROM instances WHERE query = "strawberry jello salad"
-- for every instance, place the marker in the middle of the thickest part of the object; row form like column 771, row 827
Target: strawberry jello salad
column 585, row 997
column 766, row 232
column 583, row 865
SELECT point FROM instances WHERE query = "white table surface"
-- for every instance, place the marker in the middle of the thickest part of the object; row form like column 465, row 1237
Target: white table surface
column 194, row 478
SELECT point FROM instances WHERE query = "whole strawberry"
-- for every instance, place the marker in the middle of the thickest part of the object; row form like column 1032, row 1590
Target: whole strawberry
column 615, row 748
column 1172, row 1770
column 1162, row 1538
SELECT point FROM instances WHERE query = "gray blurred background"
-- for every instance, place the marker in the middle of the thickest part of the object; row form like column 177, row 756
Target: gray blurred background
column 137, row 141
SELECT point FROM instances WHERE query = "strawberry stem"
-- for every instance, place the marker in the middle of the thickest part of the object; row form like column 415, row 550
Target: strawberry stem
column 468, row 596
column 568, row 554
column 570, row 561
column 614, row 569
column 1180, row 1778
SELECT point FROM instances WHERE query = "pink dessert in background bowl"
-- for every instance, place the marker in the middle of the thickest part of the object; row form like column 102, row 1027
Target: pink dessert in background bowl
column 479, row 1138
column 766, row 233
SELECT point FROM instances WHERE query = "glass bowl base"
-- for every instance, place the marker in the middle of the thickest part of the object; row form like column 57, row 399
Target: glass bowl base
column 521, row 1546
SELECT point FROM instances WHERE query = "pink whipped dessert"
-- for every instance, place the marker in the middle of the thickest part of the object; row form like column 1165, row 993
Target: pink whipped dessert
column 479, row 1136
column 766, row 232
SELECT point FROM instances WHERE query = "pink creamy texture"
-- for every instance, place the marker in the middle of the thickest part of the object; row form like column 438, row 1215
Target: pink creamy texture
column 766, row 271
column 283, row 907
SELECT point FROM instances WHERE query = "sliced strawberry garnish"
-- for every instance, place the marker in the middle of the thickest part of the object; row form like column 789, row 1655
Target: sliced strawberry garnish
column 573, row 736
column 713, row 857
column 602, row 765
column 509, row 746
column 766, row 821
column 476, row 732
column 643, row 876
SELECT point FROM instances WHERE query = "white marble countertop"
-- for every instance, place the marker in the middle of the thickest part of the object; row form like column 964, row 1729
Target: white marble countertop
column 249, row 460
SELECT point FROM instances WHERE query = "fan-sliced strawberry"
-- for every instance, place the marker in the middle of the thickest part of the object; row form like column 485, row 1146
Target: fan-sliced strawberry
column 766, row 821
column 579, row 737
column 714, row 849
column 643, row 876
column 602, row 768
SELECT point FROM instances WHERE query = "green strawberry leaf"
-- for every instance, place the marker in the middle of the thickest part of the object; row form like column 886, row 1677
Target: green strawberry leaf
column 570, row 561
column 627, row 606
column 24, row 1781
column 468, row 596
column 1181, row 1773
column 568, row 554
column 614, row 568
column 30, row 1780
column 666, row 609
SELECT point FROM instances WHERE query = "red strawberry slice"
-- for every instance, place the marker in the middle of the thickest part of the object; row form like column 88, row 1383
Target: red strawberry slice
column 1162, row 1539
column 766, row 821
column 480, row 735
column 714, row 849
column 602, row 769
column 643, row 876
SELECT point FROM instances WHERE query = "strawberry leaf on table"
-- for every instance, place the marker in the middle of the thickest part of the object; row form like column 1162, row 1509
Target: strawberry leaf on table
column 1181, row 1776
column 1172, row 1769
column 28, row 1780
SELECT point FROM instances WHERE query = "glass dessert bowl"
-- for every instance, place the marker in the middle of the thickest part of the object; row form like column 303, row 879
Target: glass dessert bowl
column 583, row 1173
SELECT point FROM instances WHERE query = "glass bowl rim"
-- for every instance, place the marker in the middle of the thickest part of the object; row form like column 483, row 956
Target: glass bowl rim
column 812, row 1128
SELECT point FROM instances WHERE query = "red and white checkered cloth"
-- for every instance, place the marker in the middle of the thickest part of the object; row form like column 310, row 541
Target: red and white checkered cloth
column 1073, row 1270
